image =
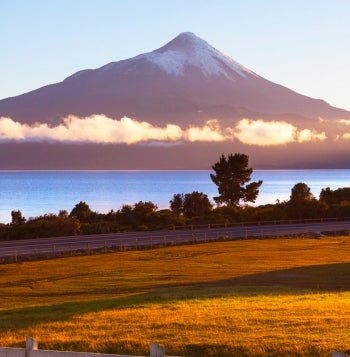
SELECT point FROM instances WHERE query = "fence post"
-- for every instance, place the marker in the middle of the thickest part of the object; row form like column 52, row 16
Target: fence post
column 31, row 345
column 156, row 350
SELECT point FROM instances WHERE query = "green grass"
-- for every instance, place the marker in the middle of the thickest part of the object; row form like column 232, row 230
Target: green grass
column 247, row 298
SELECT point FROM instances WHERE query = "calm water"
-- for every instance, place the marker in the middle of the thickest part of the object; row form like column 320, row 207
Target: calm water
column 39, row 192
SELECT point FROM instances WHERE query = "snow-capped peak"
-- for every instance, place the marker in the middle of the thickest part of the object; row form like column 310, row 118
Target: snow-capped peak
column 187, row 50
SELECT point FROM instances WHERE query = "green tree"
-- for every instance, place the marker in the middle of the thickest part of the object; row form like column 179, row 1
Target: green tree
column 232, row 175
column 341, row 194
column 196, row 204
column 144, row 209
column 176, row 203
column 302, row 203
column 63, row 213
column 81, row 211
column 301, row 192
column 17, row 218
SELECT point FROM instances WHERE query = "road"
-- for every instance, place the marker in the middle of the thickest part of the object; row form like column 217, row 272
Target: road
column 53, row 246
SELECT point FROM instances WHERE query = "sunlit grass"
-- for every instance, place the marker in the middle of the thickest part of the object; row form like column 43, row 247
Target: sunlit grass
column 262, row 297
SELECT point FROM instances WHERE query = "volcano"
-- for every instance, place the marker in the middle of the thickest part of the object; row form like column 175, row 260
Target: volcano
column 186, row 81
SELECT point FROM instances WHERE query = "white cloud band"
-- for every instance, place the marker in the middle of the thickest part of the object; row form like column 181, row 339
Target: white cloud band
column 102, row 129
column 271, row 133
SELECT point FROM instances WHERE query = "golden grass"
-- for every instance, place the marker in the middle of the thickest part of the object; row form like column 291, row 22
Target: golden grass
column 260, row 297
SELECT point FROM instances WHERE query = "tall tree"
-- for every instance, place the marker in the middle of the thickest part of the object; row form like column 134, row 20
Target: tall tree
column 232, row 175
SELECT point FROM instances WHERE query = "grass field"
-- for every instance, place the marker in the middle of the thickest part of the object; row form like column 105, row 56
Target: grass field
column 273, row 297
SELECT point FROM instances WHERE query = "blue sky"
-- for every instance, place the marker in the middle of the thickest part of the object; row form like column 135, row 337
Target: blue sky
column 304, row 45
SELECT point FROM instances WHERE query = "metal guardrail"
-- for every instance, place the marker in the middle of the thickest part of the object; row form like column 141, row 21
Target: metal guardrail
column 259, row 223
column 203, row 226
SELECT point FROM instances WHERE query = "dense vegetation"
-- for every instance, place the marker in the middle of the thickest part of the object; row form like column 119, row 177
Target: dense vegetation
column 185, row 209
column 232, row 175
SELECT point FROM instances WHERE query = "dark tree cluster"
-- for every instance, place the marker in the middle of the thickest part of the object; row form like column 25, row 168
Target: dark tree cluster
column 190, row 205
column 334, row 197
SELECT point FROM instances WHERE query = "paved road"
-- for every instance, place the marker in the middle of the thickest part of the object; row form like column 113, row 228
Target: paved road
column 27, row 247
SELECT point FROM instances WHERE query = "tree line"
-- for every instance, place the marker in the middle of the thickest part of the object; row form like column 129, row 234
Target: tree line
column 232, row 176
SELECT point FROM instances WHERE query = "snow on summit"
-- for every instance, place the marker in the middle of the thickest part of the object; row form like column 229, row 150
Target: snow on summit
column 188, row 50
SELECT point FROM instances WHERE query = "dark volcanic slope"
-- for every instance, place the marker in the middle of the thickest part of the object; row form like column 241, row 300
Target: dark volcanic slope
column 185, row 81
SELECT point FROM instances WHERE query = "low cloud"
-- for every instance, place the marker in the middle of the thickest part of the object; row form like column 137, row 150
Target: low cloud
column 310, row 135
column 102, row 129
column 345, row 136
column 344, row 121
column 95, row 129
column 211, row 131
column 272, row 133
column 264, row 133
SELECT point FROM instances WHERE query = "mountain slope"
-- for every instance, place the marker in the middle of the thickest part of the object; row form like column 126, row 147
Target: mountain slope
column 186, row 81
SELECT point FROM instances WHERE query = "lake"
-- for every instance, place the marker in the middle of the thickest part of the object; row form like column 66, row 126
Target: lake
column 39, row 192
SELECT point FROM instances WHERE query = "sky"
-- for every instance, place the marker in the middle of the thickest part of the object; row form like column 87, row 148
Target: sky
column 304, row 45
